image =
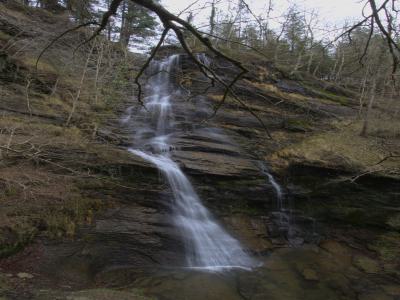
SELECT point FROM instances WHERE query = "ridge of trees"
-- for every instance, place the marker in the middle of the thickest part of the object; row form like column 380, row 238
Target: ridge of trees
column 364, row 56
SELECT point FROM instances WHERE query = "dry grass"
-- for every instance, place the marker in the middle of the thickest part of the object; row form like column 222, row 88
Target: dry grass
column 344, row 147
column 44, row 66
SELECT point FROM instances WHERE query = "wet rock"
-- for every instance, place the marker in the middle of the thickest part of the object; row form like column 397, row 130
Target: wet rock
column 340, row 254
column 334, row 247
column 296, row 241
column 310, row 274
column 366, row 264
column 251, row 231
column 392, row 290
column 3, row 283
column 195, row 286
column 25, row 275
column 376, row 295
column 394, row 222
column 216, row 164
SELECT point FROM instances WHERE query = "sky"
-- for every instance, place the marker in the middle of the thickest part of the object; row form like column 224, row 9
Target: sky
column 330, row 12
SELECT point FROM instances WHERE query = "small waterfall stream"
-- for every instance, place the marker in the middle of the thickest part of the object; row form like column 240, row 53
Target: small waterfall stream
column 283, row 214
column 207, row 244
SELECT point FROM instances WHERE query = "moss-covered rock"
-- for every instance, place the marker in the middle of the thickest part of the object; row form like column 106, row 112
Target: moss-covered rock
column 366, row 264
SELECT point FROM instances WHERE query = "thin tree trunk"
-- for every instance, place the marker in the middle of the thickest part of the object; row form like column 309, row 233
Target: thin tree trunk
column 333, row 72
column 310, row 60
column 78, row 93
column 123, row 30
column 340, row 69
column 28, row 101
column 362, row 94
column 369, row 109
column 265, row 29
column 298, row 63
column 109, row 28
column 96, row 80
column 276, row 52
column 316, row 69
column 393, row 100
column 212, row 18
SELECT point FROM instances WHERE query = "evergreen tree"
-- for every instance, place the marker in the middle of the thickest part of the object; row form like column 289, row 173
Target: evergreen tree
column 136, row 22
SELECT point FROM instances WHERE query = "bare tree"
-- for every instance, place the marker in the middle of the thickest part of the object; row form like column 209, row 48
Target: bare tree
column 75, row 98
column 381, row 18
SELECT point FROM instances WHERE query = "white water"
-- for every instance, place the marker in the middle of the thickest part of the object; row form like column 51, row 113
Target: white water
column 282, row 211
column 275, row 185
column 207, row 244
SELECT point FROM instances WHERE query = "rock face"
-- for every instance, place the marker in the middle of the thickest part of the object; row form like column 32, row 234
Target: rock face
column 222, row 157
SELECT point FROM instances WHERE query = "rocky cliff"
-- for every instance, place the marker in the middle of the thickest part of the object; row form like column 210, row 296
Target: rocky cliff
column 79, row 211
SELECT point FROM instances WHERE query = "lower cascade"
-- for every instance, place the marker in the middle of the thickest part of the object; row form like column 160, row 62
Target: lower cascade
column 207, row 244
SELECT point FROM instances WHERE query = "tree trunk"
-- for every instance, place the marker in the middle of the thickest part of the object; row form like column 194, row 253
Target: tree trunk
column 78, row 93
column 298, row 63
column 310, row 60
column 369, row 109
column 316, row 69
column 28, row 101
column 96, row 80
column 128, row 11
column 122, row 31
column 212, row 18
column 362, row 93
column 337, row 76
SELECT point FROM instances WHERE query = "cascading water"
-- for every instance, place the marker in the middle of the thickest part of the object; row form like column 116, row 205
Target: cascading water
column 207, row 244
column 275, row 185
column 284, row 219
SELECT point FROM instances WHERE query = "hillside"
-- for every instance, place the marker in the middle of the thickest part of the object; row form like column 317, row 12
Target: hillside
column 83, row 218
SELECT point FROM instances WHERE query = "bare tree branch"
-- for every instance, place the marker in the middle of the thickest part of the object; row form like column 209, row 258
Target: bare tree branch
column 178, row 25
column 52, row 42
column 147, row 63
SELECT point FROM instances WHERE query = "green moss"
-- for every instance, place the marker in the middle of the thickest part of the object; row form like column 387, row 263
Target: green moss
column 387, row 246
column 57, row 220
column 394, row 222
column 355, row 216
column 342, row 100
column 10, row 191
column 65, row 221
column 14, row 239
column 4, row 36
column 298, row 125
column 243, row 207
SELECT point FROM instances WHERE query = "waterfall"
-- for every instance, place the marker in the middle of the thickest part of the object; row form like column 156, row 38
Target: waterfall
column 207, row 244
column 275, row 185
column 284, row 219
